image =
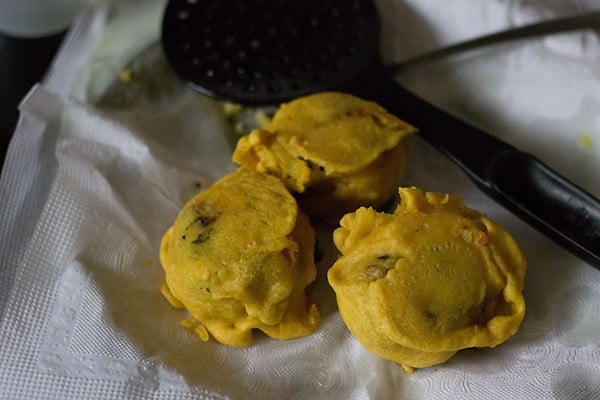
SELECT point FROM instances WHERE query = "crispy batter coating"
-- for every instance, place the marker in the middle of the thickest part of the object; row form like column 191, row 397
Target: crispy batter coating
column 240, row 257
column 428, row 280
column 337, row 151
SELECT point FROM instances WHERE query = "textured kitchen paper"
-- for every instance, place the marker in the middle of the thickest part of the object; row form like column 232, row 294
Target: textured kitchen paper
column 102, row 161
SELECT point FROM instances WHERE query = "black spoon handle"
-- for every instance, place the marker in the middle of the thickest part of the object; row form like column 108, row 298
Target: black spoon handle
column 520, row 182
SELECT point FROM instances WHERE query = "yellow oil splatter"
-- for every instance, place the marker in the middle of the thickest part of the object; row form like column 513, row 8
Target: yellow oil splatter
column 148, row 264
column 586, row 141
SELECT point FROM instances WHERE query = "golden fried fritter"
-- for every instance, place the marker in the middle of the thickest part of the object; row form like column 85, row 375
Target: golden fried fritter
column 240, row 257
column 337, row 151
column 428, row 280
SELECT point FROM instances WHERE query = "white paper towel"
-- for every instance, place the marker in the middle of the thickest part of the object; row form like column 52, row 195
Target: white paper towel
column 87, row 192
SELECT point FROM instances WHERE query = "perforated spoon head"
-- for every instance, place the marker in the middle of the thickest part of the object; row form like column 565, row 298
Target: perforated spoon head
column 269, row 51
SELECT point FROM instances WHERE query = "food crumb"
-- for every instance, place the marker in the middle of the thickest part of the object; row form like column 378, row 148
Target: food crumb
column 148, row 264
column 586, row 141
column 240, row 128
column 125, row 75
column 232, row 109
column 262, row 119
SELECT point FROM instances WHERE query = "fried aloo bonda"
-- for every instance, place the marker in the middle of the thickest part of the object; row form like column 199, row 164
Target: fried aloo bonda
column 430, row 279
column 336, row 151
column 239, row 257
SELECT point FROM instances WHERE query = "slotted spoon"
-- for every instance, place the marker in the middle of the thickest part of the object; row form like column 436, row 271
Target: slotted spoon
column 270, row 51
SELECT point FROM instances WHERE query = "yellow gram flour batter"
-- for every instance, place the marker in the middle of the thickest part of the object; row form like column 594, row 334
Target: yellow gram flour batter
column 240, row 257
column 430, row 279
column 337, row 151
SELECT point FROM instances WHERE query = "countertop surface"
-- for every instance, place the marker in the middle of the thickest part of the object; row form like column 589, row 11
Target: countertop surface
column 24, row 62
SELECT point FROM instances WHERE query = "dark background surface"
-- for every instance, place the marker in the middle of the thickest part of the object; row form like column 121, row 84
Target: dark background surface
column 23, row 63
